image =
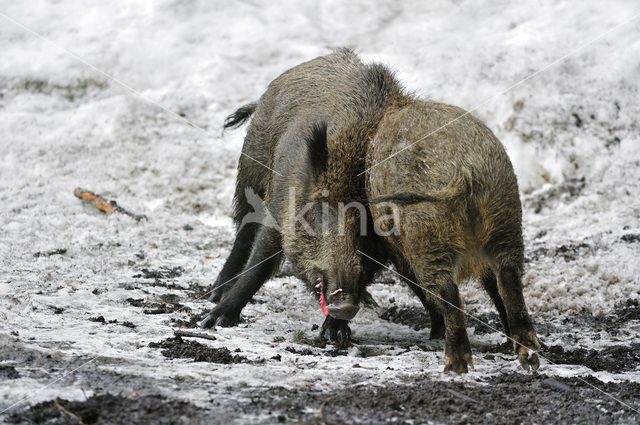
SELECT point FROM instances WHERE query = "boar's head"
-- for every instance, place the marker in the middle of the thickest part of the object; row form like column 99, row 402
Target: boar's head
column 328, row 221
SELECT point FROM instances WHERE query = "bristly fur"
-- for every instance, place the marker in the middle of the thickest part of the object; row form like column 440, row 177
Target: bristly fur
column 238, row 118
column 317, row 147
column 407, row 199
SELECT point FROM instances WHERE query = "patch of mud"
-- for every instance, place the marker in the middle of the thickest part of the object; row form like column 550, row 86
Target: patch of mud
column 502, row 348
column 112, row 409
column 568, row 252
column 616, row 358
column 101, row 319
column 486, row 318
column 161, row 273
column 414, row 317
column 507, row 399
column 193, row 291
column 178, row 348
column 631, row 237
column 563, row 193
column 163, row 276
column 59, row 251
column 610, row 323
column 301, row 352
column 8, row 372
column 163, row 307
column 193, row 321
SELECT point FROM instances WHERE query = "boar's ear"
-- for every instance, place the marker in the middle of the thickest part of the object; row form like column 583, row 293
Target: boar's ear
column 317, row 151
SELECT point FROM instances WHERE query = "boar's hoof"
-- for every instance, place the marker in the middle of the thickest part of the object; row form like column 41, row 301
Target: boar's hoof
column 216, row 295
column 457, row 352
column 219, row 317
column 526, row 346
column 338, row 332
column 457, row 364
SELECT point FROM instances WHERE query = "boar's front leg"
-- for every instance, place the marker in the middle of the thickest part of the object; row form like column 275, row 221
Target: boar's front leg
column 235, row 262
column 266, row 255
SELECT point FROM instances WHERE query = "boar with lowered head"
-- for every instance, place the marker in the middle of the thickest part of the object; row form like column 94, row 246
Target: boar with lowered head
column 333, row 135
column 303, row 157
column 459, row 216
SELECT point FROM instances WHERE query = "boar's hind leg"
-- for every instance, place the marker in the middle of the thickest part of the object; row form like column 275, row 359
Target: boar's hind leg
column 431, row 306
column 441, row 289
column 524, row 337
column 490, row 284
column 457, row 350
column 508, row 270
column 263, row 262
column 235, row 262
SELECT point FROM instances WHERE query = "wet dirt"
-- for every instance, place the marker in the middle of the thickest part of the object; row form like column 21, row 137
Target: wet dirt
column 506, row 399
column 153, row 307
column 112, row 409
column 509, row 398
column 101, row 319
column 415, row 317
column 59, row 251
column 610, row 323
column 193, row 321
column 8, row 372
column 485, row 323
column 161, row 273
column 616, row 358
column 179, row 348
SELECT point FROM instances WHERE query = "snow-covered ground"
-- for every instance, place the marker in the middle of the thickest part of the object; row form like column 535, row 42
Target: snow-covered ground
column 103, row 96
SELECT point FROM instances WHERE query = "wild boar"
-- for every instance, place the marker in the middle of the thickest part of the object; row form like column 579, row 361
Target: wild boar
column 303, row 155
column 330, row 137
column 459, row 216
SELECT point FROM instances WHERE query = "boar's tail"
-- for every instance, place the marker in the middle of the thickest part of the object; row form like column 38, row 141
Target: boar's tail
column 238, row 118
column 459, row 187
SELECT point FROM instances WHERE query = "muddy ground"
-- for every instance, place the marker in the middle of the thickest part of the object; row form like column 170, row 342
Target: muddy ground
column 504, row 399
column 501, row 397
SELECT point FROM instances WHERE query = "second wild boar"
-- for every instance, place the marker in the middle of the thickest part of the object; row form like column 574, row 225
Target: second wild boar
column 459, row 216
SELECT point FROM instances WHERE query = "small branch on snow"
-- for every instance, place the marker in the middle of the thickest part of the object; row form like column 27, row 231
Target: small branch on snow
column 321, row 408
column 189, row 334
column 65, row 411
column 108, row 207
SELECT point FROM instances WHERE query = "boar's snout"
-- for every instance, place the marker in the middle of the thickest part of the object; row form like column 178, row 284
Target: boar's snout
column 342, row 307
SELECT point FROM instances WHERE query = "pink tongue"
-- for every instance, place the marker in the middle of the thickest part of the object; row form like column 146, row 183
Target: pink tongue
column 323, row 304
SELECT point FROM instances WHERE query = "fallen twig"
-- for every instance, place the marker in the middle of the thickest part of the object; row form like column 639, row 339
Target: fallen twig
column 65, row 411
column 108, row 207
column 189, row 334
column 321, row 410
